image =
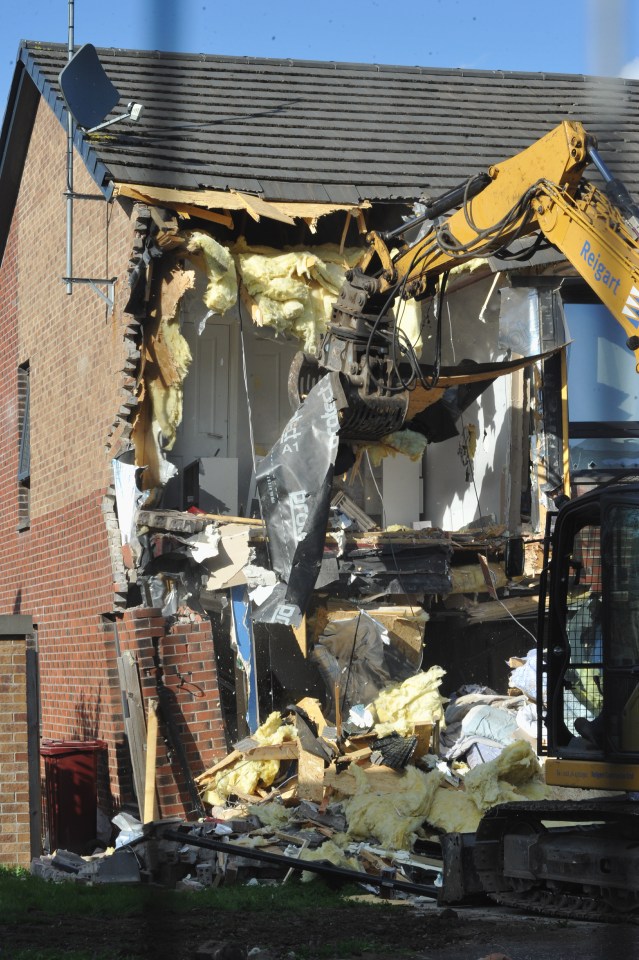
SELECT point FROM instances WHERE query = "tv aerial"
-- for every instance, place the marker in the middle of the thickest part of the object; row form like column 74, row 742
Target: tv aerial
column 90, row 97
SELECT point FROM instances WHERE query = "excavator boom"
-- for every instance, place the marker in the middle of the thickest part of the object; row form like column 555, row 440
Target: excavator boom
column 541, row 190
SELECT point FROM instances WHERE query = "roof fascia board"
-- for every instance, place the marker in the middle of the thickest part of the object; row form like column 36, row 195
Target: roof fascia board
column 17, row 126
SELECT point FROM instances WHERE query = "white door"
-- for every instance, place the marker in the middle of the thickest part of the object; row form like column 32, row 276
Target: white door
column 268, row 366
column 203, row 435
column 205, row 419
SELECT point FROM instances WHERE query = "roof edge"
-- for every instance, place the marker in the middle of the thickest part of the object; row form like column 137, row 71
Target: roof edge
column 337, row 65
column 15, row 138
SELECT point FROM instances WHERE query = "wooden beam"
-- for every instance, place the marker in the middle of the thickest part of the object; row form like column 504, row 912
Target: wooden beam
column 274, row 751
column 310, row 773
column 300, row 636
column 134, row 721
column 150, row 798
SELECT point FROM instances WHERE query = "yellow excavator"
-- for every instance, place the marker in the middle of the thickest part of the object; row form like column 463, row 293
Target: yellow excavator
column 578, row 857
column 575, row 857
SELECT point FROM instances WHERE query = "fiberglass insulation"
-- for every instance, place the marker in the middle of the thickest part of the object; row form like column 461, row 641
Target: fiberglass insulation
column 514, row 775
column 416, row 700
column 295, row 290
column 245, row 775
column 392, row 818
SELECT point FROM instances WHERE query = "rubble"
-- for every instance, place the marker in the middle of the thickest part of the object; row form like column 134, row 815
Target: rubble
column 301, row 794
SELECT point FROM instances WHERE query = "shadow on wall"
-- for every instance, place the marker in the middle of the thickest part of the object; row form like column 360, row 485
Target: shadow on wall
column 183, row 751
column 87, row 716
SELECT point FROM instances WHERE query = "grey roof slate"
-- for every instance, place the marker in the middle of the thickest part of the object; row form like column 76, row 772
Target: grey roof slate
column 341, row 132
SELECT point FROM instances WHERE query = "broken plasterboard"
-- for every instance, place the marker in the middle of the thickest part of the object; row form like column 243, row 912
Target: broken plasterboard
column 233, row 556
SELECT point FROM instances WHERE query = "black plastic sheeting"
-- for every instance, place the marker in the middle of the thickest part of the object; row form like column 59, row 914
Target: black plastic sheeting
column 294, row 484
column 389, row 568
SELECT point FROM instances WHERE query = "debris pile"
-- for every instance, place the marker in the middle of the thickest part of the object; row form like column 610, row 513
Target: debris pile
column 326, row 796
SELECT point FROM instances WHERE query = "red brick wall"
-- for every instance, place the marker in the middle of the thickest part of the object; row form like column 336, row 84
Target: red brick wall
column 181, row 659
column 61, row 569
column 15, row 841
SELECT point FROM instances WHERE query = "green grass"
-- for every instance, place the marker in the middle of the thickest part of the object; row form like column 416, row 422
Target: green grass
column 22, row 896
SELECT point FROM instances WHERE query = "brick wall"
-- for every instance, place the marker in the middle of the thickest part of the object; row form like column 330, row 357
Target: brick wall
column 180, row 659
column 63, row 569
column 15, row 818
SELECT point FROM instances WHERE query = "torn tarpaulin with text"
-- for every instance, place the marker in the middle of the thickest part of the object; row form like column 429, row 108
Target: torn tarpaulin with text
column 294, row 483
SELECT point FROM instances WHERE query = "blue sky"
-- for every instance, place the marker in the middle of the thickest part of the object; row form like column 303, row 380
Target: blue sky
column 565, row 36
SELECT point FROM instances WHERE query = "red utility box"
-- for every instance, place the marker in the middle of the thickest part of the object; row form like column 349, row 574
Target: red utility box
column 71, row 788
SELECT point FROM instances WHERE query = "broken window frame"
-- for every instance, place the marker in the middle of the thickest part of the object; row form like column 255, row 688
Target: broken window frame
column 24, row 445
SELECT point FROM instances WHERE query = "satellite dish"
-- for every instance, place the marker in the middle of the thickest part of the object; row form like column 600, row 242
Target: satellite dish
column 88, row 92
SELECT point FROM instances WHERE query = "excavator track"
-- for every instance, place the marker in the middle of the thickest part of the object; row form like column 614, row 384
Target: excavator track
column 569, row 906
column 577, row 860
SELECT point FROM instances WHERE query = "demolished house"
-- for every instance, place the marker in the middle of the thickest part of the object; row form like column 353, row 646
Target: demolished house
column 144, row 392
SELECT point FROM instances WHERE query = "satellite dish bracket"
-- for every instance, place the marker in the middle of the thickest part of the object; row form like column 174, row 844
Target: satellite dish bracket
column 133, row 113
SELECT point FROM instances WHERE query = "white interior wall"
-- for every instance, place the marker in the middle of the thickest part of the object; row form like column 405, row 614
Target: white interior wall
column 450, row 500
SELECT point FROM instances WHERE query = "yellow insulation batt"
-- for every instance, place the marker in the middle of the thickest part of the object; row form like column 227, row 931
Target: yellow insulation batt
column 407, row 442
column 416, row 700
column 514, row 775
column 246, row 775
column 391, row 818
column 331, row 851
column 294, row 290
column 221, row 292
column 167, row 398
column 271, row 814
column 169, row 355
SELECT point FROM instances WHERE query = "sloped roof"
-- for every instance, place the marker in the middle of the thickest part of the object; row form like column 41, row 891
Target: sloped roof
column 331, row 132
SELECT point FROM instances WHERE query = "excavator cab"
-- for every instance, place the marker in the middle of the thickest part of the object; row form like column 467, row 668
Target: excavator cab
column 589, row 678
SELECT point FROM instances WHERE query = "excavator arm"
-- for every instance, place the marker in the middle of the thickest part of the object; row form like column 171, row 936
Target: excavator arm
column 502, row 211
column 540, row 190
column 594, row 237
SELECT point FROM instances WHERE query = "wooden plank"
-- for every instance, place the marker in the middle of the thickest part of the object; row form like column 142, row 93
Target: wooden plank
column 495, row 610
column 134, row 723
column 275, row 751
column 300, row 636
column 338, row 708
column 310, row 777
column 226, row 761
column 310, row 773
column 150, row 795
column 423, row 732
column 265, row 751
column 312, row 709
column 356, row 755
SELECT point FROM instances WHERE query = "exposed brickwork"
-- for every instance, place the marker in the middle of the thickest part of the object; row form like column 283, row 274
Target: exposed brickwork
column 65, row 569
column 15, row 843
column 181, row 659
